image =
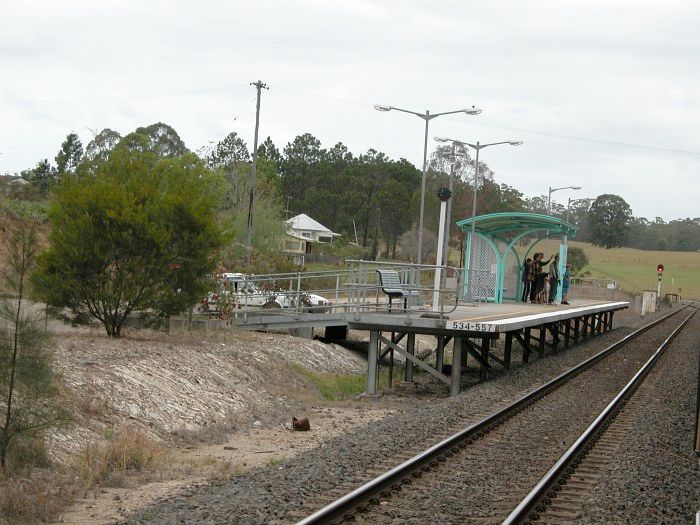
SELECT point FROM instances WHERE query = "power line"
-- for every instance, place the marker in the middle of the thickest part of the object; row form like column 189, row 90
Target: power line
column 586, row 139
column 125, row 97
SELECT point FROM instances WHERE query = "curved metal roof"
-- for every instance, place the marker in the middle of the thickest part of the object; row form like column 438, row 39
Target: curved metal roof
column 505, row 226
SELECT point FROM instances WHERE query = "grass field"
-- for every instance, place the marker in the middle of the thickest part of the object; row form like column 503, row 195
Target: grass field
column 635, row 270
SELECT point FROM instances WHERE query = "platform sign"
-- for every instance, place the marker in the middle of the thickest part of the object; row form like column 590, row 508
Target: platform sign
column 471, row 326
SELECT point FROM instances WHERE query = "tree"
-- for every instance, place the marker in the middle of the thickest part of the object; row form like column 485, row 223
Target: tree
column 227, row 153
column 102, row 145
column 577, row 259
column 609, row 220
column 69, row 156
column 163, row 140
column 137, row 235
column 43, row 176
column 27, row 386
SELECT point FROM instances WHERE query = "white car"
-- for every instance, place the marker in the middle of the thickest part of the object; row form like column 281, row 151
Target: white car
column 238, row 291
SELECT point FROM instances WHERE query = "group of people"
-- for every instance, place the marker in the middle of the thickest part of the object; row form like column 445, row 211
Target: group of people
column 540, row 286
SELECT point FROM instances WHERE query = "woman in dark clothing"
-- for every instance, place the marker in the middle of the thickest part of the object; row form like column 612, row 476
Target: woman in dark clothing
column 553, row 280
column 540, row 275
column 526, row 278
column 534, row 268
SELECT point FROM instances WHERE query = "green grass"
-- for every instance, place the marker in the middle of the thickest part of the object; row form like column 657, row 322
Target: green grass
column 635, row 270
column 336, row 387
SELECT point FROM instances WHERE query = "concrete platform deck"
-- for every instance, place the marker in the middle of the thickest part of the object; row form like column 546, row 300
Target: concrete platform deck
column 484, row 319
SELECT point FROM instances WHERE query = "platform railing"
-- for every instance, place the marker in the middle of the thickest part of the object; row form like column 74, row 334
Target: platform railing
column 365, row 291
column 353, row 289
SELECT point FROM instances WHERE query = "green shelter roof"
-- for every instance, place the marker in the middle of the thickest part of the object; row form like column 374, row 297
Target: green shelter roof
column 506, row 226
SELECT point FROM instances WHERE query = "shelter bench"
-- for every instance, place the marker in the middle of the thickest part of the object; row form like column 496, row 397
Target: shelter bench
column 393, row 287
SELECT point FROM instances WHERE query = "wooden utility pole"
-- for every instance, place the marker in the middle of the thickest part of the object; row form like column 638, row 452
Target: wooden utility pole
column 259, row 85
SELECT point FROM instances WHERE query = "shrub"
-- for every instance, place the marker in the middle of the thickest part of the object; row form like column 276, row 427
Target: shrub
column 134, row 235
column 109, row 463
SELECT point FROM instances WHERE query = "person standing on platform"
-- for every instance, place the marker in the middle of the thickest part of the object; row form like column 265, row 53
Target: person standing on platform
column 566, row 278
column 539, row 276
column 553, row 280
column 532, row 276
column 527, row 279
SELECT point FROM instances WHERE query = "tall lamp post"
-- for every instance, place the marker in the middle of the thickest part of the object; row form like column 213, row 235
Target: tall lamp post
column 477, row 147
column 552, row 190
column 427, row 117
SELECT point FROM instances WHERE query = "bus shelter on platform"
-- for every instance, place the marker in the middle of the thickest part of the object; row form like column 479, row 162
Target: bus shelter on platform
column 498, row 266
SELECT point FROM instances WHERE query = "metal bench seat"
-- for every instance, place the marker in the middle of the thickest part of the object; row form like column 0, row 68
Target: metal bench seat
column 392, row 286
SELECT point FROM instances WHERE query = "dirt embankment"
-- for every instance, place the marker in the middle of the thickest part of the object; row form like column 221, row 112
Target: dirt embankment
column 217, row 405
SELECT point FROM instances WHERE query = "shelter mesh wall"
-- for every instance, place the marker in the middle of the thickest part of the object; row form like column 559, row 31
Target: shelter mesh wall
column 485, row 265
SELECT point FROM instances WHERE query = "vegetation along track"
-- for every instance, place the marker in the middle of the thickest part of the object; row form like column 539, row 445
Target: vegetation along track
column 480, row 474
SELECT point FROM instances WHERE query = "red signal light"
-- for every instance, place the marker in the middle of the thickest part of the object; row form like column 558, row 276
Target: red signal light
column 660, row 268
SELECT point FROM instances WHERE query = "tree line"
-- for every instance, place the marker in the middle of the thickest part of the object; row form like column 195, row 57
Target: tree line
column 369, row 198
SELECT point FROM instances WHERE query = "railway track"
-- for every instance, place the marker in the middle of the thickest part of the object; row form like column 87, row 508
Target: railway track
column 557, row 497
column 455, row 480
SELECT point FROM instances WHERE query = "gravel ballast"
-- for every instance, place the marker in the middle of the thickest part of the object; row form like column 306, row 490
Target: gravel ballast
column 654, row 476
column 269, row 495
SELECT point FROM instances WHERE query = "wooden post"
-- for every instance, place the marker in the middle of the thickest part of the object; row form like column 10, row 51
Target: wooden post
column 410, row 349
column 372, row 357
column 543, row 335
column 484, row 371
column 440, row 353
column 555, row 336
column 527, row 350
column 456, row 366
column 567, row 333
column 507, row 350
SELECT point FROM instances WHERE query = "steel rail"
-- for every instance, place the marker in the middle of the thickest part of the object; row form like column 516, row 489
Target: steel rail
column 362, row 493
column 539, row 491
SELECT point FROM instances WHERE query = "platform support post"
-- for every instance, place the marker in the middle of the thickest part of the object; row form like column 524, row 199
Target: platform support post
column 391, row 361
column 577, row 325
column 610, row 321
column 410, row 349
column 507, row 350
column 584, row 333
column 372, row 353
column 543, row 335
column 527, row 350
column 567, row 333
column 484, row 371
column 555, row 337
column 440, row 353
column 456, row 366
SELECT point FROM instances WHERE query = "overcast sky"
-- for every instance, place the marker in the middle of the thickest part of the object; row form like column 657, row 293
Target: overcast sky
column 591, row 86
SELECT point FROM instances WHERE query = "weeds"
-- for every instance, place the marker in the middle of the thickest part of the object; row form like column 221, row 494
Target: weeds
column 37, row 495
column 127, row 451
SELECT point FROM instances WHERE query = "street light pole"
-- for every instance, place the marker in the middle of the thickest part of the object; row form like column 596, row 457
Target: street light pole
column 477, row 147
column 427, row 117
column 552, row 190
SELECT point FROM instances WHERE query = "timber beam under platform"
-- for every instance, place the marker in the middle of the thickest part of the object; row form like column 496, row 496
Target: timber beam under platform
column 554, row 328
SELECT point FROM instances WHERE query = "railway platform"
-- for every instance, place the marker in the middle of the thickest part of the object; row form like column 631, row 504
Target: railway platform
column 474, row 332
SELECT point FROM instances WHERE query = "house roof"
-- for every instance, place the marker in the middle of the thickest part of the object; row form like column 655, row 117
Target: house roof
column 508, row 225
column 304, row 222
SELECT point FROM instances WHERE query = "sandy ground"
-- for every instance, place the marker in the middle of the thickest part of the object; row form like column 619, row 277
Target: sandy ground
column 241, row 452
